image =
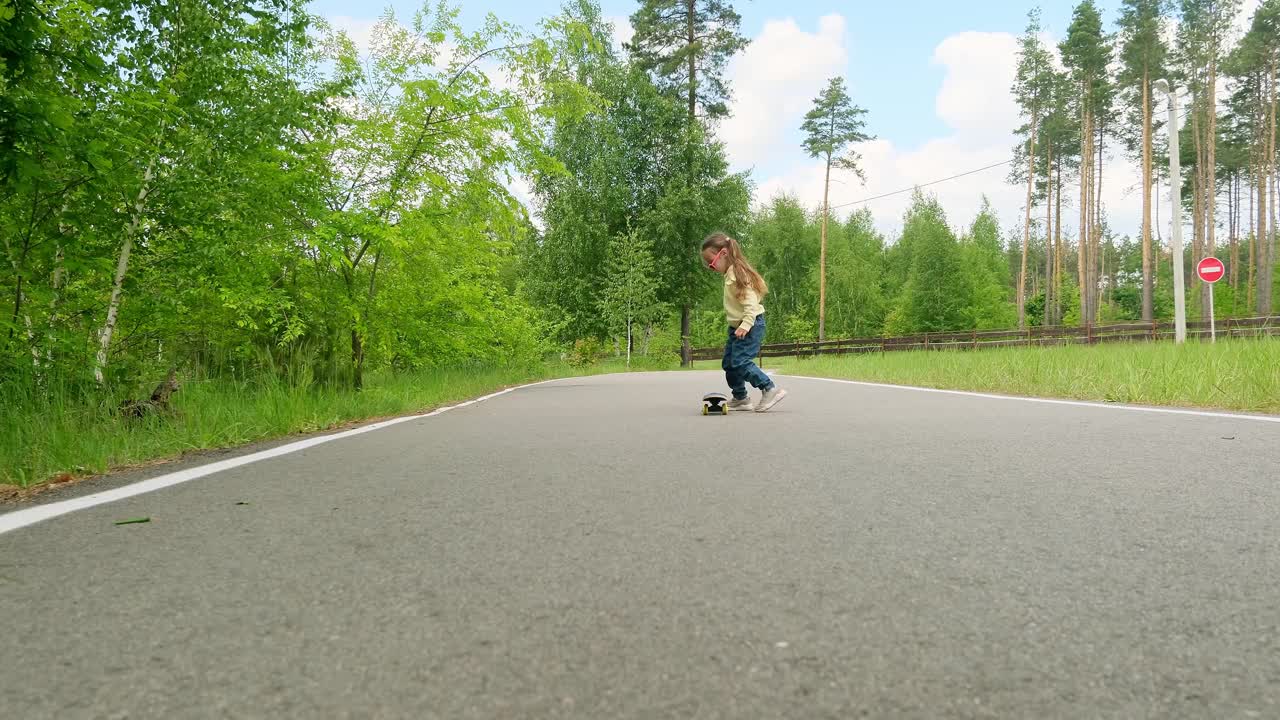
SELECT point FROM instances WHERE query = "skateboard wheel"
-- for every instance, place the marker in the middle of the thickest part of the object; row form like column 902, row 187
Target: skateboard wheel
column 724, row 409
column 704, row 409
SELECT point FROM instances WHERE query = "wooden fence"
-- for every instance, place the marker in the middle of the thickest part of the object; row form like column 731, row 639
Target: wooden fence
column 1030, row 337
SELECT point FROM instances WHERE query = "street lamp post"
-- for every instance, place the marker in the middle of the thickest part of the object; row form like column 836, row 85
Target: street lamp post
column 1175, row 201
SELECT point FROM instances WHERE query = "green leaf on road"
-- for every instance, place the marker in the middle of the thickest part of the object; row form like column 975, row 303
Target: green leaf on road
column 134, row 521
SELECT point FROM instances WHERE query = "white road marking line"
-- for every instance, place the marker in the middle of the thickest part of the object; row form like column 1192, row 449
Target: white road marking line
column 30, row 516
column 1049, row 401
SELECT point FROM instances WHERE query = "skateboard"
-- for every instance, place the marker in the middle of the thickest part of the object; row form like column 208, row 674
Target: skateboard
column 715, row 404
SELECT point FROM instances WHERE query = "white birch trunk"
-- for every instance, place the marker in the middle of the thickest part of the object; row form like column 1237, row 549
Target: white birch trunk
column 122, row 266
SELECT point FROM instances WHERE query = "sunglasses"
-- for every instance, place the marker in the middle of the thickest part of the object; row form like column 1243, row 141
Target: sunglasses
column 716, row 259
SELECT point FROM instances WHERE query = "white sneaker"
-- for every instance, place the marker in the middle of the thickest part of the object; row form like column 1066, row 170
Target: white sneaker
column 770, row 397
column 743, row 404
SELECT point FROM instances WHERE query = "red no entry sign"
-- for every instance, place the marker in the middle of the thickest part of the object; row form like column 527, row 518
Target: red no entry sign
column 1211, row 269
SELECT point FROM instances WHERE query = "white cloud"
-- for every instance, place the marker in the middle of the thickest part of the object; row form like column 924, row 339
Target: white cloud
column 446, row 53
column 774, row 83
column 890, row 168
column 499, row 78
column 968, row 100
column 360, row 30
column 522, row 190
column 976, row 104
column 622, row 30
column 1244, row 19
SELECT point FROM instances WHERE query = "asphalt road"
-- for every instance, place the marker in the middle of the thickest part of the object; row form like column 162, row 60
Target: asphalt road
column 595, row 548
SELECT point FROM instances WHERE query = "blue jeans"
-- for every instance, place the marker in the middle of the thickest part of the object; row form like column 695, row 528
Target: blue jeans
column 739, row 365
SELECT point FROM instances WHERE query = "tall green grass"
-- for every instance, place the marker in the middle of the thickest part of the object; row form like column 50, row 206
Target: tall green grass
column 1237, row 374
column 61, row 433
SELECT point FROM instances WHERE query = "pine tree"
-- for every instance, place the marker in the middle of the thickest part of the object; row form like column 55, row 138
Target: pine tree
column 1256, row 63
column 1060, row 139
column 830, row 127
column 1144, row 54
column 1202, row 37
column 1086, row 53
column 686, row 45
column 1235, row 145
column 1032, row 86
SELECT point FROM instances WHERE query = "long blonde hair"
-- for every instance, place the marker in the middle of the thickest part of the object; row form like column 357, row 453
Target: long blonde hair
column 744, row 275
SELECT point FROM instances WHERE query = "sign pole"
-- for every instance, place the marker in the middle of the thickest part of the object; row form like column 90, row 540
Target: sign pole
column 1213, row 331
column 1211, row 270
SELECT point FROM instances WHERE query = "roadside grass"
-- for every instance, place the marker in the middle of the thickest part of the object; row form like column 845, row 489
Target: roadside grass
column 1237, row 374
column 60, row 436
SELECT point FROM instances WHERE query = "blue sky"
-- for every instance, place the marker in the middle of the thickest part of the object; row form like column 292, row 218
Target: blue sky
column 934, row 76
column 890, row 42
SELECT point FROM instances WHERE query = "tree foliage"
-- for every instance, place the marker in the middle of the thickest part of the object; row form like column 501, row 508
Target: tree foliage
column 234, row 188
column 207, row 185
column 629, row 298
column 686, row 45
column 832, row 125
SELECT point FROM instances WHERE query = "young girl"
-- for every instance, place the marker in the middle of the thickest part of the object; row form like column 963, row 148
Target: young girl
column 743, row 288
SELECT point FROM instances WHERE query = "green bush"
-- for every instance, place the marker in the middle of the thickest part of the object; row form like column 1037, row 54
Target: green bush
column 664, row 346
column 585, row 353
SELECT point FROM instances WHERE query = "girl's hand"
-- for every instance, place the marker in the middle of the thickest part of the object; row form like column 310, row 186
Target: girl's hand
column 740, row 333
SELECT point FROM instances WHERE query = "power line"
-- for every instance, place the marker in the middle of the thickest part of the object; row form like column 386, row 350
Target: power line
column 920, row 185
